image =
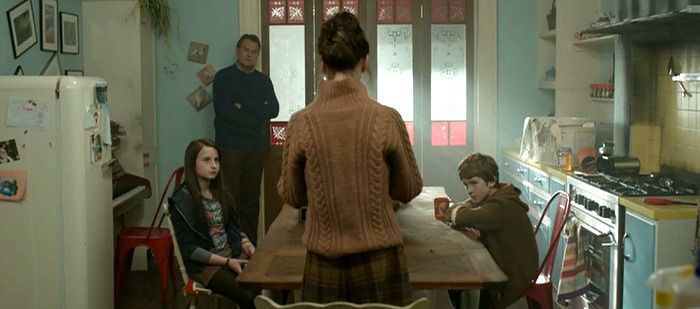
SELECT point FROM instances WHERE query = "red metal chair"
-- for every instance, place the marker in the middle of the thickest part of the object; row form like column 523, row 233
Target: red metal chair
column 157, row 239
column 541, row 289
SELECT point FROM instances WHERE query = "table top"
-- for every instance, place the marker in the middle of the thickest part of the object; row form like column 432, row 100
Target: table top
column 438, row 256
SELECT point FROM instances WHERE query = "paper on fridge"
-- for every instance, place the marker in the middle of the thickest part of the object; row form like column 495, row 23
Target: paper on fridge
column 27, row 113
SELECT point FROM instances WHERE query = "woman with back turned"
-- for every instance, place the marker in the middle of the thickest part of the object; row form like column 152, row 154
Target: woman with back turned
column 348, row 157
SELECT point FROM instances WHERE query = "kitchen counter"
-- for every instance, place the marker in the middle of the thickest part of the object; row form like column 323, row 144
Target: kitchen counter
column 552, row 170
column 662, row 212
column 654, row 212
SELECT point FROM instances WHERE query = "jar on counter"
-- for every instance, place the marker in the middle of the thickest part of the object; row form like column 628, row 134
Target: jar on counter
column 566, row 159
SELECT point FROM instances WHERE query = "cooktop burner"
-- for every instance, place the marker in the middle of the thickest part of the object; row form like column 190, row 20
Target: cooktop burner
column 641, row 185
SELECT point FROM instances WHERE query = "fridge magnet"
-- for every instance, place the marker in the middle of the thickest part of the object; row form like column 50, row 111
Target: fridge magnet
column 101, row 92
column 53, row 67
column 22, row 31
column 49, row 25
column 92, row 118
column 13, row 185
column 69, row 33
column 105, row 124
column 95, row 148
column 8, row 151
column 198, row 52
column 206, row 74
column 199, row 98
column 27, row 113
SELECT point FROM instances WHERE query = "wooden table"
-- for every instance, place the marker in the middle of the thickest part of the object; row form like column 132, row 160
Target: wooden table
column 438, row 256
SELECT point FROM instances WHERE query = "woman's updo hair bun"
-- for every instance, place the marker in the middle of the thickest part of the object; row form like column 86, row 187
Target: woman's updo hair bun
column 342, row 43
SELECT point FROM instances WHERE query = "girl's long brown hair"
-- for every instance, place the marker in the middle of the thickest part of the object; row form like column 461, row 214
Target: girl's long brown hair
column 216, row 186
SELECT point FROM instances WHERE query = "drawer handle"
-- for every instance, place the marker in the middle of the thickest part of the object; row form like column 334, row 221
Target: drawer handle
column 519, row 170
column 506, row 164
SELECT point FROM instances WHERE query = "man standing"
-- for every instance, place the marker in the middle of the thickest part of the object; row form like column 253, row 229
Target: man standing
column 244, row 99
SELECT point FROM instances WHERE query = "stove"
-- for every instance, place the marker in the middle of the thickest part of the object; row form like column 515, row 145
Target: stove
column 595, row 203
column 641, row 185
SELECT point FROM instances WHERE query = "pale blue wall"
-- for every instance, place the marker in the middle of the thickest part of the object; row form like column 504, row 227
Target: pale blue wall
column 34, row 59
column 518, row 92
column 213, row 22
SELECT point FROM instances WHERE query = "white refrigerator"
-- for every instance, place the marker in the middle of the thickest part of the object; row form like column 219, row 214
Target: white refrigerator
column 56, row 235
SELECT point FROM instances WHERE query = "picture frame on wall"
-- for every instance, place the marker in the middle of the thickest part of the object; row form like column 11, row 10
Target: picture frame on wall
column 70, row 42
column 53, row 67
column 74, row 73
column 22, row 30
column 49, row 25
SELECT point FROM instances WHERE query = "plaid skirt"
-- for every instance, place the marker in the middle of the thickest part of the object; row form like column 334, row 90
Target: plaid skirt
column 379, row 276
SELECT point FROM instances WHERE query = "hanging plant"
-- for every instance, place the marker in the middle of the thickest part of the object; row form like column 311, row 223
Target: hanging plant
column 160, row 15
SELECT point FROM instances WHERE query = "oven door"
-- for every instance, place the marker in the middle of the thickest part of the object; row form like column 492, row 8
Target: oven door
column 601, row 260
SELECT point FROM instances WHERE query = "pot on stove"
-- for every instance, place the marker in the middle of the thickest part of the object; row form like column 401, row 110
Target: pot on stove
column 618, row 166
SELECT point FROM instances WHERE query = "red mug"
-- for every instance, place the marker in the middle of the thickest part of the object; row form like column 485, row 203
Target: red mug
column 440, row 204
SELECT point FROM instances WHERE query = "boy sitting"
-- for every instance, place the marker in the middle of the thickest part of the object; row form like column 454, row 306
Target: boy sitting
column 495, row 213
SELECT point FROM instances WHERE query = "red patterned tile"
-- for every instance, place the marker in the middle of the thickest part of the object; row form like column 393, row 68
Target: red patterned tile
column 330, row 8
column 439, row 133
column 404, row 12
column 296, row 12
column 278, row 132
column 409, row 128
column 458, row 133
column 278, row 11
column 352, row 6
column 440, row 12
column 385, row 11
column 458, row 11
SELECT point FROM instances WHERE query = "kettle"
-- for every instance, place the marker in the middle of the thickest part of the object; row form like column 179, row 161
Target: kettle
column 618, row 166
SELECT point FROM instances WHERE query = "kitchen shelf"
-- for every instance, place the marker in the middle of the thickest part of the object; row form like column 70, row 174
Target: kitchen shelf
column 686, row 77
column 601, row 40
column 664, row 27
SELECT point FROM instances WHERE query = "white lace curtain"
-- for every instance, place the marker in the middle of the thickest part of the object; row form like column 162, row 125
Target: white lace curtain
column 249, row 19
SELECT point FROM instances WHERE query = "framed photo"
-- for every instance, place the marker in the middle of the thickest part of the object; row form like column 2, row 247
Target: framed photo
column 207, row 74
column 49, row 25
column 53, row 67
column 199, row 98
column 22, row 31
column 19, row 71
column 198, row 52
column 70, row 42
column 74, row 73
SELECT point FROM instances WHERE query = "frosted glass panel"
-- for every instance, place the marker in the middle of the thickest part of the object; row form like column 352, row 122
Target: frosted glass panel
column 448, row 78
column 287, row 68
column 395, row 68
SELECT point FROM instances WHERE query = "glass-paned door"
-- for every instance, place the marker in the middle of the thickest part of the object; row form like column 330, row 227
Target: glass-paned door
column 424, row 71
column 421, row 65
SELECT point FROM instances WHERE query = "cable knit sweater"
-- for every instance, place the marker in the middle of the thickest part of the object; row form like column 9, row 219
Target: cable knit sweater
column 347, row 157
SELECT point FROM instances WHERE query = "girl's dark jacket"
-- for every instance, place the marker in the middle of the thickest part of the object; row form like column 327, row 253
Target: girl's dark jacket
column 192, row 231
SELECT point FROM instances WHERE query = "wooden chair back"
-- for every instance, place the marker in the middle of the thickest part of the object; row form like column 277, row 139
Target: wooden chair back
column 263, row 302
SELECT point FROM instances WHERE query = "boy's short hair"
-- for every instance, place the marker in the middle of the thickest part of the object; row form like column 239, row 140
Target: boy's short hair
column 478, row 165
